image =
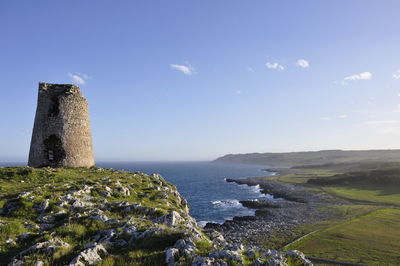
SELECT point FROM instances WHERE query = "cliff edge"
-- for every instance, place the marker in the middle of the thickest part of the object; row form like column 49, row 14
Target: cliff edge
column 80, row 216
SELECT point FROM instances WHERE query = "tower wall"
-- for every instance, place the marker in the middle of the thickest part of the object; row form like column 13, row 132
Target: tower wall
column 61, row 134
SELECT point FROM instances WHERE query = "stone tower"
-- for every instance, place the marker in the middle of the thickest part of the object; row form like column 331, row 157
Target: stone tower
column 61, row 134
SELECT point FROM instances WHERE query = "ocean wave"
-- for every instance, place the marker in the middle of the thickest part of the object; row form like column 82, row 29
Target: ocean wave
column 256, row 191
column 227, row 203
column 203, row 223
column 255, row 188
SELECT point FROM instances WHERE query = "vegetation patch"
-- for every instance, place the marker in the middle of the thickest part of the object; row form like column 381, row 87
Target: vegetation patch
column 368, row 193
column 372, row 239
column 55, row 215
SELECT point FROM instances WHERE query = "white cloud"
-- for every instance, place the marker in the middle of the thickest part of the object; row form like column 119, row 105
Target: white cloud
column 274, row 65
column 397, row 75
column 302, row 63
column 361, row 76
column 324, row 118
column 250, row 69
column 238, row 92
column 185, row 69
column 343, row 116
column 397, row 109
column 78, row 78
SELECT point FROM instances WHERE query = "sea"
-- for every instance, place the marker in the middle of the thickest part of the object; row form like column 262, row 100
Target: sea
column 204, row 185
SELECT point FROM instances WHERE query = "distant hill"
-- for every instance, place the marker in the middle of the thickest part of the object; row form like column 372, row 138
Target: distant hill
column 291, row 159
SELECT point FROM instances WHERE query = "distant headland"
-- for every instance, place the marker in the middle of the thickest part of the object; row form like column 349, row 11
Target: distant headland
column 290, row 159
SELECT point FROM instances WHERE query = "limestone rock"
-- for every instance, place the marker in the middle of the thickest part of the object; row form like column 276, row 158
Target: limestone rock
column 124, row 191
column 91, row 255
column 10, row 206
column 24, row 236
column 186, row 248
column 24, row 194
column 277, row 261
column 41, row 207
column 170, row 255
column 172, row 219
column 206, row 261
column 46, row 219
column 99, row 217
column 227, row 254
column 48, row 247
column 10, row 241
column 258, row 262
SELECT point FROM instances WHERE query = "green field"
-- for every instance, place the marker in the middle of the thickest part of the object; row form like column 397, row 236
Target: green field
column 378, row 186
column 303, row 175
column 376, row 194
column 372, row 238
column 367, row 230
column 340, row 213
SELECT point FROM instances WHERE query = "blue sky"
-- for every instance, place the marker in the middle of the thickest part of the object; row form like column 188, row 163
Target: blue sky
column 193, row 80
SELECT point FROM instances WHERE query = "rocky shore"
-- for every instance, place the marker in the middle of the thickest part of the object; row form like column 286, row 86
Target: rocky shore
column 98, row 216
column 299, row 205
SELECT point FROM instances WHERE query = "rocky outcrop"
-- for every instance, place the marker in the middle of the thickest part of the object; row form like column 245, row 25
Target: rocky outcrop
column 48, row 248
column 297, row 205
column 89, row 256
column 235, row 254
column 82, row 217
column 103, row 216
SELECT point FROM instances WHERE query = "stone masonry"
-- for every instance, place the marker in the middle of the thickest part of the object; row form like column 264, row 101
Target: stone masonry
column 61, row 134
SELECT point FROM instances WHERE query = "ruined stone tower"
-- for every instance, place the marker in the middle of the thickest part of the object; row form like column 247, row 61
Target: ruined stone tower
column 61, row 134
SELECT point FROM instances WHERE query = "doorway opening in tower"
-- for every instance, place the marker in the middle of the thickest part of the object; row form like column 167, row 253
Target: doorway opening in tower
column 54, row 151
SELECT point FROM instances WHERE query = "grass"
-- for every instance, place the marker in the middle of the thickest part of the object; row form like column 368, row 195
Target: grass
column 204, row 247
column 303, row 175
column 137, row 257
column 368, row 193
column 372, row 238
column 11, row 229
column 366, row 230
column 52, row 184
column 357, row 232
column 146, row 251
column 340, row 213
column 380, row 186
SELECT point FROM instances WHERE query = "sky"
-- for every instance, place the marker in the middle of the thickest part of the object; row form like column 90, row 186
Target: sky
column 194, row 80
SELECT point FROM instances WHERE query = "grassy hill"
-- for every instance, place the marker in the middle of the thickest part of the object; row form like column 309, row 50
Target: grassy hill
column 291, row 159
column 377, row 186
column 371, row 239
column 370, row 236
column 105, row 217
column 380, row 177
column 58, row 216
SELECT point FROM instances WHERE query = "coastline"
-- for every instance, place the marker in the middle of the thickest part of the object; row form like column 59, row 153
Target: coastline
column 297, row 205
